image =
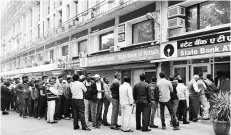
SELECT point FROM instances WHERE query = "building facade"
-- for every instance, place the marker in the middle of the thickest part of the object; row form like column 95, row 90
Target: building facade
column 104, row 36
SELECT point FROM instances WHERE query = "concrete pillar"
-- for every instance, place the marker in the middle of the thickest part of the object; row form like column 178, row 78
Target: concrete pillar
column 158, row 70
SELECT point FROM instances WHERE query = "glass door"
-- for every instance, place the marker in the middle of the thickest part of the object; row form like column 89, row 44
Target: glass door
column 200, row 69
column 182, row 71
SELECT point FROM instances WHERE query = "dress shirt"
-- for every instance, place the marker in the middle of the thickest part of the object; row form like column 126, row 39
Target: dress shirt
column 107, row 93
column 195, row 86
column 182, row 91
column 77, row 89
column 165, row 87
column 53, row 90
column 98, row 86
column 125, row 94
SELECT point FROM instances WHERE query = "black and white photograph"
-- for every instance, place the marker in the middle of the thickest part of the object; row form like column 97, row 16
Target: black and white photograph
column 112, row 67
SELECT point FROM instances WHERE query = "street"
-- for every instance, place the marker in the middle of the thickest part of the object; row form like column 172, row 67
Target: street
column 12, row 124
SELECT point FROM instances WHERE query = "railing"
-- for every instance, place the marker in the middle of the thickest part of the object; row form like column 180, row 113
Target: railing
column 79, row 20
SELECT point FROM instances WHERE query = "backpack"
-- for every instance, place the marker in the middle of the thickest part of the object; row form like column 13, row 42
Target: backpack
column 211, row 89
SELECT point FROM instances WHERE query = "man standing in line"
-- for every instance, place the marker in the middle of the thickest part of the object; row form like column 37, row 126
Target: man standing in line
column 107, row 100
column 67, row 101
column 52, row 94
column 115, row 101
column 42, row 98
column 87, row 96
column 59, row 101
column 203, row 100
column 4, row 97
column 126, row 102
column 17, row 105
column 142, row 97
column 165, row 87
column 35, row 98
column 183, row 96
column 194, row 99
column 77, row 89
column 24, row 91
column 155, row 99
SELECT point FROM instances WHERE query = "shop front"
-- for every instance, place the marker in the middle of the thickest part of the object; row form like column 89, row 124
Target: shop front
column 72, row 67
column 200, row 55
column 129, row 63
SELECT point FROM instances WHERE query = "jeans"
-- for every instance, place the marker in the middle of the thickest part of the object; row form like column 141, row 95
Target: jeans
column 94, row 106
column 182, row 110
column 99, row 111
column 67, row 107
column 126, row 112
column 194, row 106
column 87, row 104
column 170, row 109
column 25, row 106
column 50, row 111
column 42, row 106
column 79, row 108
column 154, row 106
column 175, row 105
column 145, row 109
column 115, row 112
column 106, row 106
column 36, row 103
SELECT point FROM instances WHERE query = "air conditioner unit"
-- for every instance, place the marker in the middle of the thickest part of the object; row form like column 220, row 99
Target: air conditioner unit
column 82, row 54
column 114, row 48
column 176, row 23
column 176, row 11
column 63, row 58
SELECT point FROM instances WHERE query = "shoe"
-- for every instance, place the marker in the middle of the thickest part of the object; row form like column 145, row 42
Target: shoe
column 24, row 116
column 35, row 117
column 128, row 130
column 75, row 128
column 186, row 122
column 5, row 113
column 106, row 124
column 176, row 128
column 146, row 130
column 153, row 126
column 118, row 125
column 195, row 120
column 96, row 127
column 86, row 129
column 190, row 119
column 67, row 118
column 115, row 128
column 39, row 118
column 48, row 121
column 139, row 128
column 20, row 115
column 53, row 122
column 180, row 119
column 177, row 123
column 163, row 128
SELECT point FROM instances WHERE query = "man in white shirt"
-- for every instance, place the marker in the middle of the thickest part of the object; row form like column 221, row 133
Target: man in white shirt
column 59, row 109
column 194, row 98
column 183, row 96
column 77, row 89
column 126, row 102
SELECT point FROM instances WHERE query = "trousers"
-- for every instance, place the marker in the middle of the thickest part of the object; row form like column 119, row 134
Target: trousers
column 145, row 109
column 42, row 106
column 25, row 106
column 106, row 103
column 36, row 104
column 204, row 102
column 79, row 108
column 194, row 106
column 182, row 111
column 87, row 104
column 126, row 112
column 50, row 110
column 94, row 106
column 171, row 111
column 154, row 106
column 67, row 107
column 115, row 112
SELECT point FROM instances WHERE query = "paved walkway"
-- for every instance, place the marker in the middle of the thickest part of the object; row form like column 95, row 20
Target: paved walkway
column 12, row 124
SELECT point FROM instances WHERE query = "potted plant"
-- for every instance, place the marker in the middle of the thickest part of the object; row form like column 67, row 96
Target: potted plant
column 220, row 113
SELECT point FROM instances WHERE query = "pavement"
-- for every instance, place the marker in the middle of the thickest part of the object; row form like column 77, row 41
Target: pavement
column 12, row 124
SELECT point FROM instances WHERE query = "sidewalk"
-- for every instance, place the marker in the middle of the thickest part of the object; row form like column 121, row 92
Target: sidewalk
column 12, row 124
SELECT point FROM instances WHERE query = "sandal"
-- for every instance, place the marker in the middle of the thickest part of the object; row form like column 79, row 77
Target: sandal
column 128, row 130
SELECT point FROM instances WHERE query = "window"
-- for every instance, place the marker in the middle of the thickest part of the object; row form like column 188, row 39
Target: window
column 208, row 14
column 68, row 12
column 39, row 30
column 106, row 40
column 85, row 7
column 51, row 54
column 82, row 46
column 48, row 23
column 64, row 50
column 143, row 32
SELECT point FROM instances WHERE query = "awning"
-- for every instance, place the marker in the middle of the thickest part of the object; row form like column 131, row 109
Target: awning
column 17, row 76
column 192, row 57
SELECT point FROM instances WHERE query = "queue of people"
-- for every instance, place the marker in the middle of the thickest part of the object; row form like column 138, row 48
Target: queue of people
column 88, row 99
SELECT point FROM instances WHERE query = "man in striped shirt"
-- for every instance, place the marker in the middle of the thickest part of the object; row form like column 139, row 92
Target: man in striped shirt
column 52, row 94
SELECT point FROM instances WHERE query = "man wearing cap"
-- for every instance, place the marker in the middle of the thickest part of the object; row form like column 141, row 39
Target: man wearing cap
column 87, row 96
column 115, row 101
column 67, row 95
column 24, row 89
column 194, row 98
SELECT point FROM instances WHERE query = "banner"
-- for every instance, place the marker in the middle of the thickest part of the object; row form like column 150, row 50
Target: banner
column 122, row 57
